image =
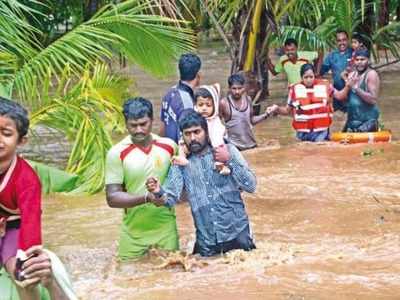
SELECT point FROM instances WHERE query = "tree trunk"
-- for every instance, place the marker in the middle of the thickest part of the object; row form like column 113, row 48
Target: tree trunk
column 383, row 13
column 90, row 8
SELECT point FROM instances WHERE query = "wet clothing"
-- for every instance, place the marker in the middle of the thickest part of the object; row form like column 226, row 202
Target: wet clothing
column 20, row 205
column 215, row 199
column 144, row 225
column 177, row 99
column 239, row 127
column 291, row 69
column 337, row 63
column 313, row 136
column 361, row 116
column 243, row 241
column 312, row 112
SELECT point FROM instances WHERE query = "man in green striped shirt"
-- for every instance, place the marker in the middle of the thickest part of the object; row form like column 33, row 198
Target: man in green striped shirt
column 129, row 163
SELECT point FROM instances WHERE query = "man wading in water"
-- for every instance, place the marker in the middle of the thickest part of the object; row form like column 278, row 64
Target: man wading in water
column 129, row 163
column 361, row 92
column 237, row 111
column 217, row 207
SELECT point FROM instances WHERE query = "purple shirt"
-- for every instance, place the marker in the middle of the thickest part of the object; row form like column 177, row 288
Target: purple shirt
column 177, row 99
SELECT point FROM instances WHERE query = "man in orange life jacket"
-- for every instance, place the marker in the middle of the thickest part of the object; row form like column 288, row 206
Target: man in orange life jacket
column 309, row 103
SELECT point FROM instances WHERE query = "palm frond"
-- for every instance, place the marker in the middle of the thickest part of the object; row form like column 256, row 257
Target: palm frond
column 85, row 112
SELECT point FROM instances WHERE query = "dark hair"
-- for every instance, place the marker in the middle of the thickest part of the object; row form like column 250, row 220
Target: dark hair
column 190, row 118
column 340, row 30
column 136, row 108
column 189, row 66
column 358, row 37
column 236, row 79
column 304, row 68
column 362, row 52
column 202, row 92
column 17, row 113
column 290, row 41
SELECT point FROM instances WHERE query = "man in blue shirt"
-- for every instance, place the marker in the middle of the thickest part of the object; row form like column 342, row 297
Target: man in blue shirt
column 180, row 96
column 217, row 207
column 337, row 61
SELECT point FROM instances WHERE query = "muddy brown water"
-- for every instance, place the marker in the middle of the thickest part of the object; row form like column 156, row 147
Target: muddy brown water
column 326, row 220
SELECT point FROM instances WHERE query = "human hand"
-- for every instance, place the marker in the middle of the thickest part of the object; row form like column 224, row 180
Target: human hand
column 157, row 201
column 36, row 269
column 153, row 185
column 273, row 109
column 222, row 154
column 352, row 80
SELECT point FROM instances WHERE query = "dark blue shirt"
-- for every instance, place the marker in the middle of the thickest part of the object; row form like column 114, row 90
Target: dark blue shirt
column 177, row 99
column 337, row 63
column 217, row 207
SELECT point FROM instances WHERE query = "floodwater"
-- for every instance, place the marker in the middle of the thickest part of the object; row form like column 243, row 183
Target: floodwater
column 326, row 220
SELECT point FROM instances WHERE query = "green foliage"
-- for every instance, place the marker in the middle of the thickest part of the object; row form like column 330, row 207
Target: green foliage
column 83, row 110
column 66, row 84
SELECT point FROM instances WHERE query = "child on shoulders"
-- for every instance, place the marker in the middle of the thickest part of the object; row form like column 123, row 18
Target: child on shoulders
column 20, row 197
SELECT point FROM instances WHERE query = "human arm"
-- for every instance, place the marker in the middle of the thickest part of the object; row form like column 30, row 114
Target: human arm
column 116, row 195
column 257, row 119
column 242, row 175
column 326, row 65
column 118, row 198
column 29, row 204
column 224, row 110
column 272, row 68
column 318, row 62
column 171, row 190
column 369, row 96
column 39, row 267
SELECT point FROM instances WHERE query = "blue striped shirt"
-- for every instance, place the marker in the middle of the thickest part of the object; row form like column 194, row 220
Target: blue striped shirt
column 216, row 203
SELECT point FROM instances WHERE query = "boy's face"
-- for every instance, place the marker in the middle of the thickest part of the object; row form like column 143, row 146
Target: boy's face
column 9, row 138
column 205, row 106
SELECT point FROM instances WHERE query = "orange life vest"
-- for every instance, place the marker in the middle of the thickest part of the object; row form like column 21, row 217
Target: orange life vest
column 311, row 108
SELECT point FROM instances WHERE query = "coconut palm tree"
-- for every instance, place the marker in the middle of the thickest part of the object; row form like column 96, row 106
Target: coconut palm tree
column 65, row 83
column 257, row 25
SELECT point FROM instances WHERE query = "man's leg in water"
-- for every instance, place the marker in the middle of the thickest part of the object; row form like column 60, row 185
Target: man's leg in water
column 243, row 241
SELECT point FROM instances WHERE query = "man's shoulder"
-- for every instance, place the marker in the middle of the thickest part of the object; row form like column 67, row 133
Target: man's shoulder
column 164, row 140
column 120, row 146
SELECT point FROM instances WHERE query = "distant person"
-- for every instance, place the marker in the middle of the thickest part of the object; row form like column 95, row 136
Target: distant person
column 361, row 94
column 206, row 99
column 180, row 96
column 357, row 42
column 309, row 103
column 129, row 163
column 337, row 62
column 20, row 197
column 217, row 207
column 237, row 112
column 291, row 62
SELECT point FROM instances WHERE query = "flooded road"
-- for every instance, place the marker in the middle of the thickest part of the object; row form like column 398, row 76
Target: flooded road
column 326, row 220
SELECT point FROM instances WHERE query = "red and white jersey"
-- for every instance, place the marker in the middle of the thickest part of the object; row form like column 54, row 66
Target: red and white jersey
column 20, row 198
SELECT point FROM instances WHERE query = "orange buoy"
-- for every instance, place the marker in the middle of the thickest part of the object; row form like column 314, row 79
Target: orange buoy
column 362, row 137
